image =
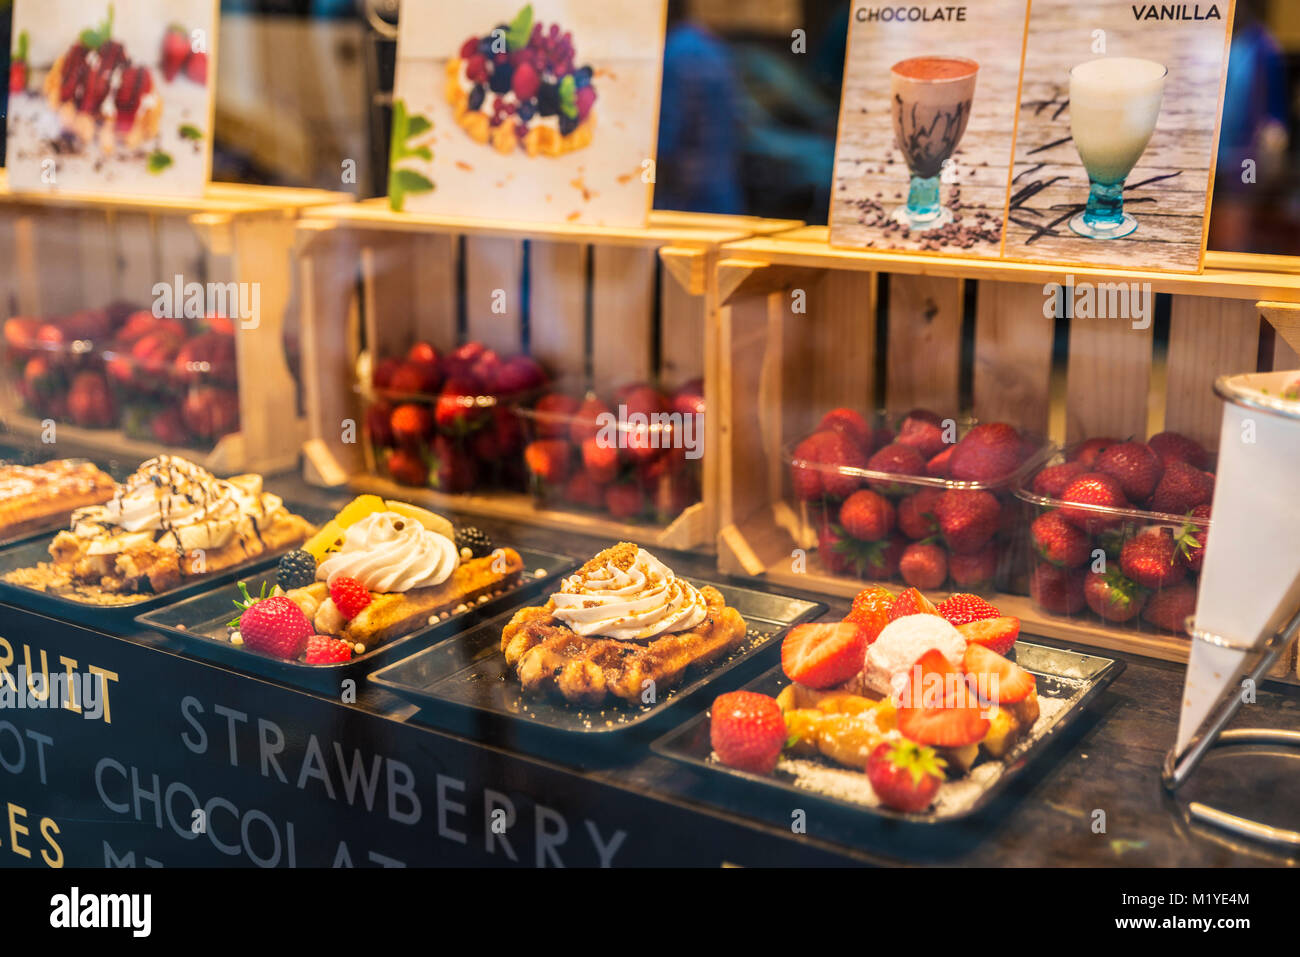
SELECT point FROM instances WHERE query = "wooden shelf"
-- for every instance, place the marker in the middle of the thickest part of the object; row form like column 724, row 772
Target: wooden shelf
column 1226, row 275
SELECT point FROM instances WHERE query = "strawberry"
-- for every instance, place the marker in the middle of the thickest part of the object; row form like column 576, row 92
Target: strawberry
column 1058, row 541
column 916, row 513
column 175, row 50
column 816, row 462
column 460, row 362
column 976, row 569
column 324, row 650
column 747, row 731
column 1152, row 559
column 1058, row 590
column 824, row 654
column 1134, row 466
column 552, row 414
column 963, row 608
column 1086, row 453
column 923, row 430
column 624, row 500
column 937, row 707
column 941, row 465
column 196, row 67
column 452, row 470
column 274, row 626
column 870, row 560
column 1181, row 489
column 998, row 634
column 500, row 437
column 1095, row 489
column 600, row 460
column 896, row 459
column 905, row 775
column 994, row 679
column 882, row 558
column 588, row 418
column 168, row 428
column 408, row 379
column 1112, row 596
column 849, row 424
column 584, row 491
column 423, row 358
column 1176, row 447
column 968, row 518
column 911, row 602
column 90, row 402
column 525, row 82
column 209, row 412
column 548, row 459
column 349, row 595
column 988, row 452
column 518, row 374
column 870, row 611
column 457, row 409
column 385, row 369
column 1054, row 479
column 923, row 565
column 407, row 468
column 867, row 516
column 1169, row 608
column 1193, row 537
column 644, row 442
column 411, row 423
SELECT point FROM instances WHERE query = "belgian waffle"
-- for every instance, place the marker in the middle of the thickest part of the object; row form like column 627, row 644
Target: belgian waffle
column 550, row 658
column 32, row 496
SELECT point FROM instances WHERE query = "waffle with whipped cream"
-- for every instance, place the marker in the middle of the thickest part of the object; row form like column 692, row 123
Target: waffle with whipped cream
column 170, row 522
column 34, row 496
column 621, row 626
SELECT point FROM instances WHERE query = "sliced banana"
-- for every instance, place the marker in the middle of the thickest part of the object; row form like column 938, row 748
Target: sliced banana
column 433, row 522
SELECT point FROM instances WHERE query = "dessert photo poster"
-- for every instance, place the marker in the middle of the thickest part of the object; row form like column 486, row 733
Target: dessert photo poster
column 539, row 112
column 1118, row 133
column 112, row 96
column 927, row 123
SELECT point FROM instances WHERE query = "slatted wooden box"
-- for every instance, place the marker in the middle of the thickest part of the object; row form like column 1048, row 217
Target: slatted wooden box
column 886, row 330
column 70, row 252
column 607, row 307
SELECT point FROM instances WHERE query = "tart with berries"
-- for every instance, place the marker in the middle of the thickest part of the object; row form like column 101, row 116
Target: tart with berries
column 518, row 88
column 384, row 569
column 101, row 95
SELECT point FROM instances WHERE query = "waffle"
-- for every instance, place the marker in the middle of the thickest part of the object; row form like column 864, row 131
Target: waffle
column 33, row 496
column 550, row 658
column 394, row 614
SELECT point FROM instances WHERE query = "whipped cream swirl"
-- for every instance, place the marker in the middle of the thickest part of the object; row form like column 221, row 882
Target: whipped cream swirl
column 628, row 594
column 190, row 506
column 388, row 552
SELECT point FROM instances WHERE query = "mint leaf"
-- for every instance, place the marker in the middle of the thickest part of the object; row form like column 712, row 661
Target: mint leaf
column 188, row 132
column 521, row 29
column 20, row 53
column 417, row 124
column 158, row 161
column 569, row 97
column 412, row 182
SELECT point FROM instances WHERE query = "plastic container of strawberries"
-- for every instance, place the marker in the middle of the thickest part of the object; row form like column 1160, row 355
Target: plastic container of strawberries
column 590, row 454
column 163, row 380
column 1130, row 567
column 939, row 532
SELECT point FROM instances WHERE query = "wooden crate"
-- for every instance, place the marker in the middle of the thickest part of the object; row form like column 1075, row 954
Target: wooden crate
column 786, row 369
column 379, row 280
column 75, row 251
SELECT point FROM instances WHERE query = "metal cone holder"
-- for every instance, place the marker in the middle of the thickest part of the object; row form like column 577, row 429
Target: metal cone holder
column 1229, row 660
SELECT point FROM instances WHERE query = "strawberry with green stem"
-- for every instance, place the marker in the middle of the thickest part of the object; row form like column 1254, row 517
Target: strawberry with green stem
column 18, row 66
column 272, row 624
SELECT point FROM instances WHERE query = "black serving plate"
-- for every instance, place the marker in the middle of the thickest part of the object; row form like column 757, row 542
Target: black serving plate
column 34, row 551
column 1069, row 677
column 469, row 671
column 199, row 625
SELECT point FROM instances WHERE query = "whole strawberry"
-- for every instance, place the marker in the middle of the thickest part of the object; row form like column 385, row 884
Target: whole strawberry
column 1058, row 590
column 916, row 513
column 819, row 465
column 1136, row 467
column 923, row 566
column 1058, row 541
column 988, row 452
column 324, row 650
column 1181, row 489
column 968, row 518
column 867, row 515
column 1153, row 560
column 905, row 775
column 1176, row 447
column 923, row 430
column 976, row 569
column 1193, row 537
column 896, row 459
column 1054, row 479
column 274, row 626
column 349, row 595
column 747, row 731
column 1170, row 608
column 870, row 611
column 548, row 459
column 963, row 608
column 1112, row 596
column 1086, row 453
column 851, row 425
column 1095, row 489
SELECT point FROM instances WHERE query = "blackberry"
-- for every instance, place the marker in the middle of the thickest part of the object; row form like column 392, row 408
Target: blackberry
column 567, row 124
column 527, row 111
column 475, row 539
column 582, row 77
column 548, row 99
column 297, row 569
column 476, row 96
column 502, row 74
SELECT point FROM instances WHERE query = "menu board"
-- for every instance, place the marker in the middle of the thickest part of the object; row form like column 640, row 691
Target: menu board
column 1094, row 146
column 111, row 97
column 542, row 113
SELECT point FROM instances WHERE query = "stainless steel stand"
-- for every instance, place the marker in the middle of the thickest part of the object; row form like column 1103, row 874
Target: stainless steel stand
column 1178, row 768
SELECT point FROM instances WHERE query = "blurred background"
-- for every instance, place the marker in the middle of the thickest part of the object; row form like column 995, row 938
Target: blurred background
column 748, row 124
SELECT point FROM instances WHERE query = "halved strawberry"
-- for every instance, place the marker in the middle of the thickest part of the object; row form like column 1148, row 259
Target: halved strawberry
column 963, row 608
column 994, row 679
column 937, row 707
column 995, row 634
column 911, row 602
column 823, row 655
column 870, row 611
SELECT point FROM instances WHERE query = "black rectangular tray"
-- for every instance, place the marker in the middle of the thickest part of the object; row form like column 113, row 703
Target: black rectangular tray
column 1071, row 676
column 469, row 671
column 34, row 551
column 199, row 625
